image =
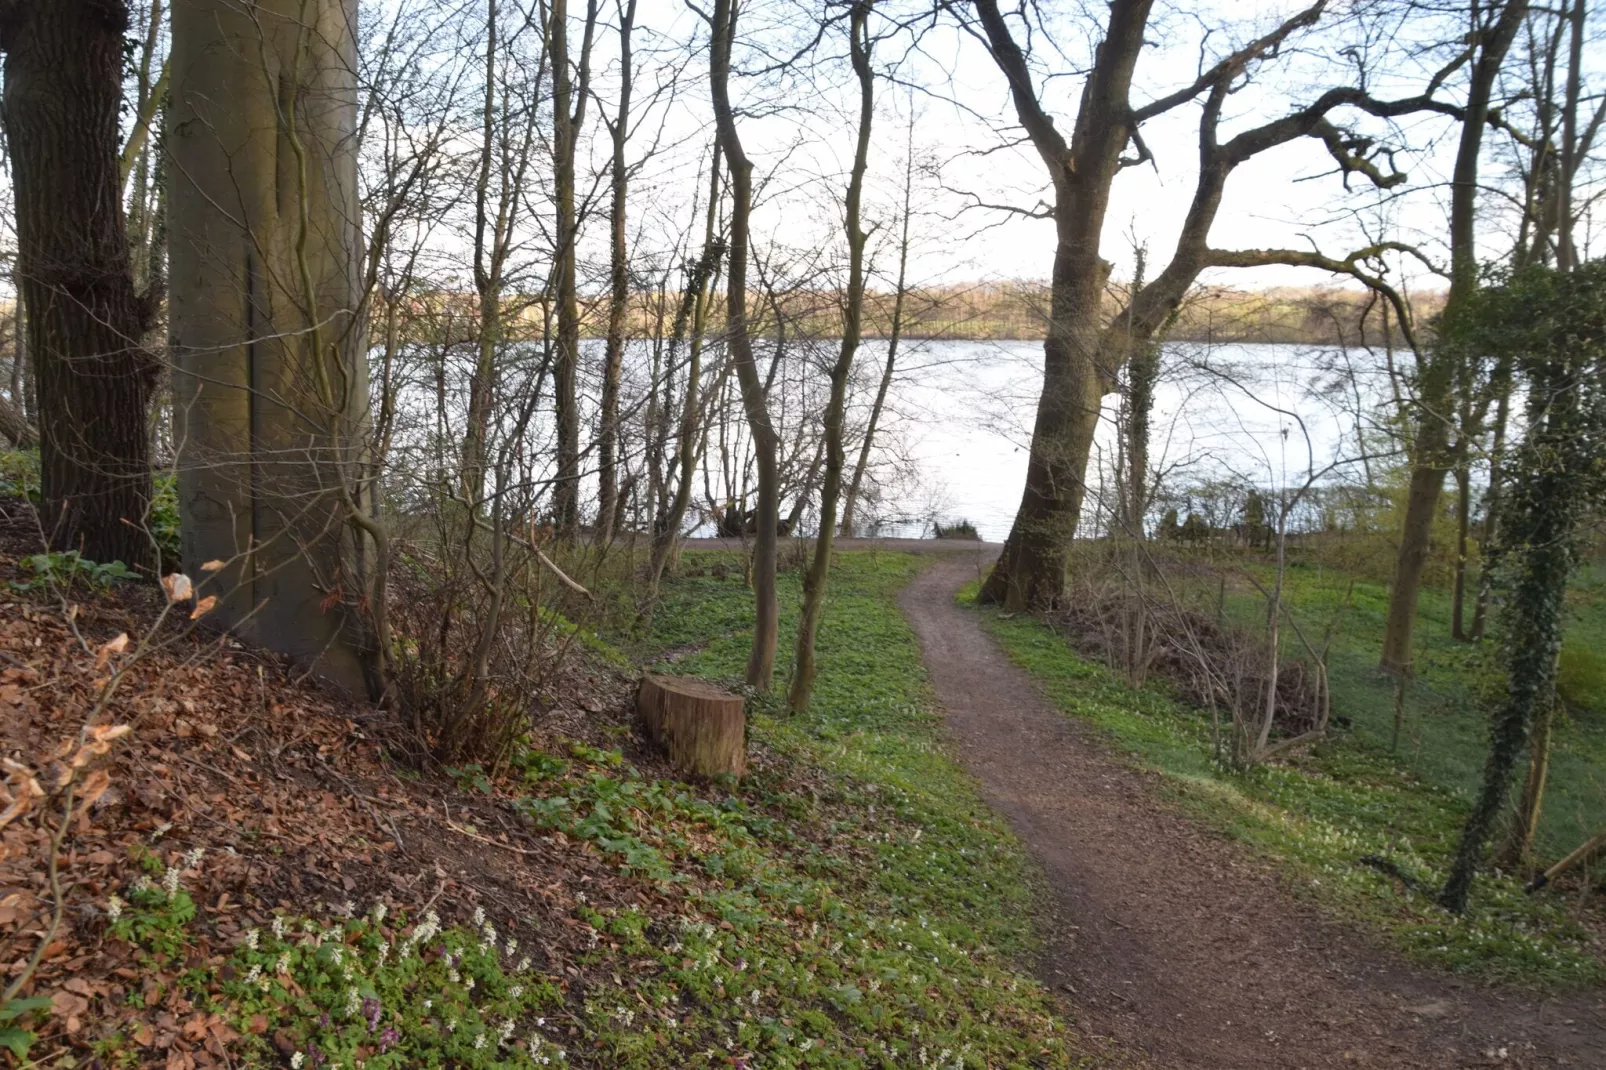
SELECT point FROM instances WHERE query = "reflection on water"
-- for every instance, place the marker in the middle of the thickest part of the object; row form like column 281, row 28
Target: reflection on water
column 1266, row 415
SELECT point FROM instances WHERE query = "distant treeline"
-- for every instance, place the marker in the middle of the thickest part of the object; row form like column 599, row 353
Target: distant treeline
column 993, row 311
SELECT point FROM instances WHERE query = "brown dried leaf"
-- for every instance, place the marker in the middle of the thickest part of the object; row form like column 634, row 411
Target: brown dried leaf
column 203, row 607
column 178, row 586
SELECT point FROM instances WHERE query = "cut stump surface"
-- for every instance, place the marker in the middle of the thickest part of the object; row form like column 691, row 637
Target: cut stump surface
column 703, row 729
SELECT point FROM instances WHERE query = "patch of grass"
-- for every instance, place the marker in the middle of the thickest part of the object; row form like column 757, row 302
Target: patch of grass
column 1319, row 816
column 868, row 908
column 1445, row 734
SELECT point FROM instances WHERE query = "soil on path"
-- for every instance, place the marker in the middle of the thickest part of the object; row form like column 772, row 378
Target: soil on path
column 1179, row 947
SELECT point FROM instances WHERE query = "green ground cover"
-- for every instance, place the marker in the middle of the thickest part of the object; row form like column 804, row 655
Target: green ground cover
column 1320, row 813
column 1444, row 735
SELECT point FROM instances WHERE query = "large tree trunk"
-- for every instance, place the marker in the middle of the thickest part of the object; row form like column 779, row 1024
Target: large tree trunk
column 1031, row 570
column 814, row 580
column 1429, row 448
column 85, row 321
column 271, row 385
column 755, row 401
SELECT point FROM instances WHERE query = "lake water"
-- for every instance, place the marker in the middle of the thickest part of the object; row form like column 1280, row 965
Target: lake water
column 1262, row 415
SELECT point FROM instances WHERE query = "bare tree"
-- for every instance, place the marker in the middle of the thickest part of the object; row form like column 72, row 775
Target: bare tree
column 814, row 579
column 571, row 90
column 1082, row 351
column 1494, row 27
column 618, row 289
column 766, row 627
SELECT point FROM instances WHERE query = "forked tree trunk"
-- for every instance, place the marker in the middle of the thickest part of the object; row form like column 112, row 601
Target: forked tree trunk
column 271, row 386
column 755, row 402
column 703, row 729
column 819, row 570
column 85, row 321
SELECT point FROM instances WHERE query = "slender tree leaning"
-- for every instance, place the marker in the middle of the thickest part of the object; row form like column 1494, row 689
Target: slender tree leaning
column 1437, row 369
column 819, row 570
column 755, row 400
column 86, row 322
column 1554, row 324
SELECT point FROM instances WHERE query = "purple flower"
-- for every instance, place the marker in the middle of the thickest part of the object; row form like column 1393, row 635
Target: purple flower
column 388, row 1038
column 371, row 1010
column 314, row 1056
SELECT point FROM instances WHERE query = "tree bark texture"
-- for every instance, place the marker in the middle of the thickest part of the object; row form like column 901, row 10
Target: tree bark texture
column 703, row 729
column 85, row 321
column 755, row 399
column 271, row 384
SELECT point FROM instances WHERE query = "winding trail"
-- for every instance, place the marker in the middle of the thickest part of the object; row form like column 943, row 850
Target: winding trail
column 1179, row 948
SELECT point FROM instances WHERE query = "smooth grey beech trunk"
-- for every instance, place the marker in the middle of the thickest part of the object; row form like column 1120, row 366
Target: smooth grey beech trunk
column 270, row 388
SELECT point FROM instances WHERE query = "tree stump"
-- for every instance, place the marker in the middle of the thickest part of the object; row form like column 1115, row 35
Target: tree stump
column 703, row 729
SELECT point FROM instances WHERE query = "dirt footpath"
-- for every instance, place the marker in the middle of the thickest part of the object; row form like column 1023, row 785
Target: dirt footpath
column 1177, row 946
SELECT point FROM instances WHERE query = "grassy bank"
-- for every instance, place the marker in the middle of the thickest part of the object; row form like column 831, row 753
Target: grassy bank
column 1319, row 814
column 851, row 903
column 1444, row 734
column 877, row 898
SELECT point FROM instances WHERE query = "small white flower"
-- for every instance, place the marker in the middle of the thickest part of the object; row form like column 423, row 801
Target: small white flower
column 451, row 1025
column 452, row 975
column 297, row 1061
column 114, row 908
column 469, row 984
column 279, row 927
column 161, row 830
column 524, row 964
column 479, row 917
column 193, row 858
column 353, row 1002
column 283, row 965
column 170, row 882
column 379, row 912
column 507, row 1030
column 252, row 977
column 479, row 1041
column 251, row 938
column 335, row 955
column 512, row 946
column 515, row 992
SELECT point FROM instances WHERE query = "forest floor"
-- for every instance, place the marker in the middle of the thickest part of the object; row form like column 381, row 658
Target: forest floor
column 1184, row 947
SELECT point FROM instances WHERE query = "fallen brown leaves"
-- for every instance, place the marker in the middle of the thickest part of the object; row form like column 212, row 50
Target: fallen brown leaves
column 288, row 787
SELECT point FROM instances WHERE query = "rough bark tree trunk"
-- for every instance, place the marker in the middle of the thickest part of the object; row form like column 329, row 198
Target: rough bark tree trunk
column 271, row 385
column 814, row 579
column 85, row 321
